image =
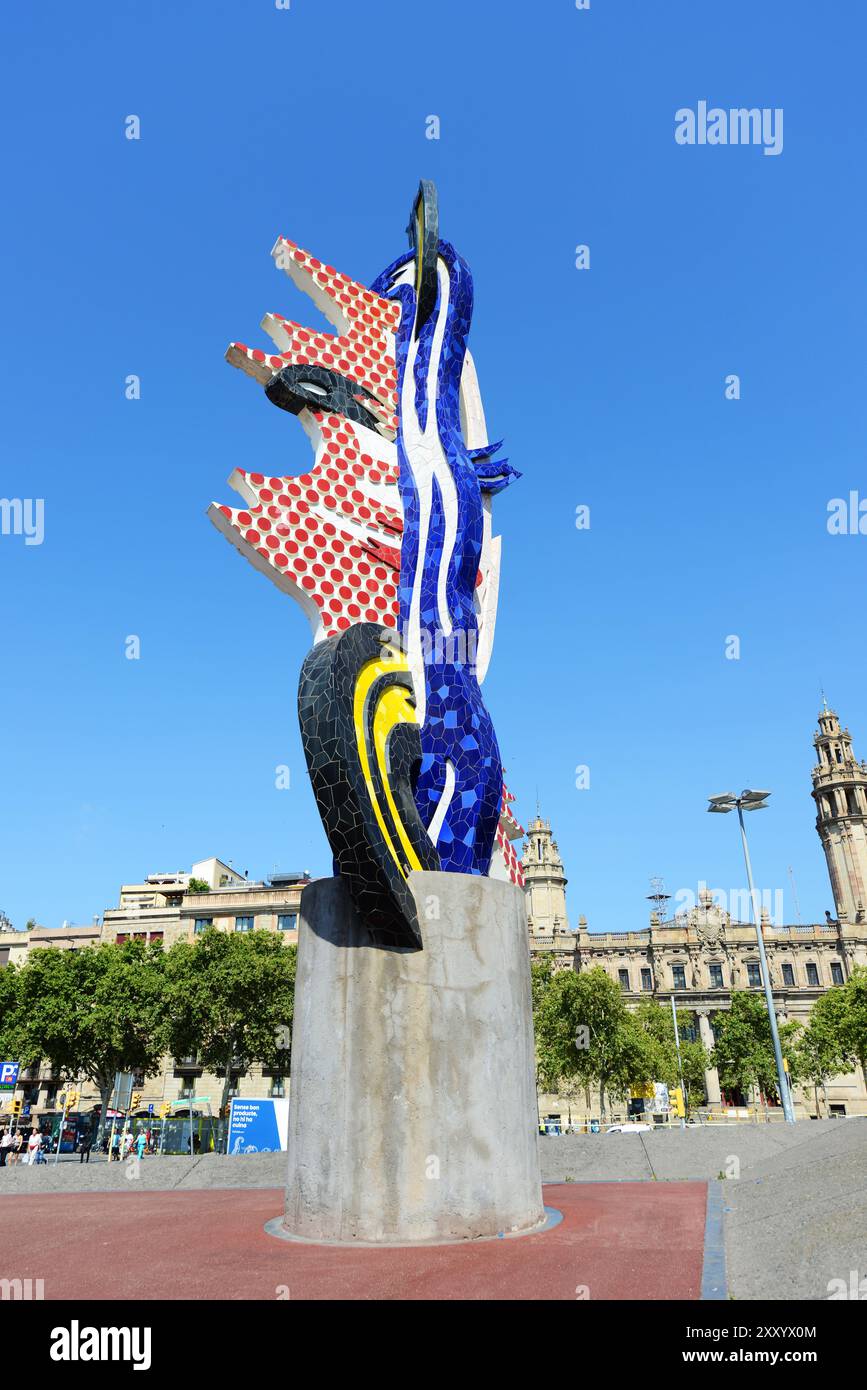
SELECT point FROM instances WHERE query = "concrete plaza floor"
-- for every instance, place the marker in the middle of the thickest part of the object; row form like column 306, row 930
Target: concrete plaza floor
column 794, row 1215
column 617, row 1240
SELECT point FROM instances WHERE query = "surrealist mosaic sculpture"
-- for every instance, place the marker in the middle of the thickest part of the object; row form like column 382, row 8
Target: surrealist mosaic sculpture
column 412, row 1104
column 387, row 545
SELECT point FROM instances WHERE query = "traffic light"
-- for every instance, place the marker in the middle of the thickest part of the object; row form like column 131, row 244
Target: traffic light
column 675, row 1100
column 165, row 1108
column 16, row 1107
column 135, row 1100
column 71, row 1098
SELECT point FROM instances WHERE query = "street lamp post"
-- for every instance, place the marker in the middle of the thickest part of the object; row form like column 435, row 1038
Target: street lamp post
column 679, row 1061
column 757, row 801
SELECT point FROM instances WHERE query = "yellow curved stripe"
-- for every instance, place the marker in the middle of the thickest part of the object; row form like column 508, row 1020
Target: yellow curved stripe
column 393, row 708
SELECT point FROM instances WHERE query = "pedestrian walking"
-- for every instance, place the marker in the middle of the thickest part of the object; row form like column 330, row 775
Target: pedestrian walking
column 34, row 1145
column 5, row 1146
column 17, row 1146
column 141, row 1140
column 84, row 1148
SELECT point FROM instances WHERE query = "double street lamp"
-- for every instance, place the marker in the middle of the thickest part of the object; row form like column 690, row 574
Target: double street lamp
column 757, row 801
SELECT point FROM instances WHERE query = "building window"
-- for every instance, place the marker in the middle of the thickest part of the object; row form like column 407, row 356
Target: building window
column 287, row 921
column 188, row 1088
column 812, row 973
column 278, row 1087
column 789, row 976
column 623, row 977
column 836, row 973
column 202, row 923
column 235, row 1086
column 120, row 938
column 754, row 975
column 243, row 924
column 716, row 977
column 646, row 981
column 678, row 975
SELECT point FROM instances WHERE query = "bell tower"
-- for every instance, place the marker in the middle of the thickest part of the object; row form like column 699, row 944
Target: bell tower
column 840, row 793
column 544, row 880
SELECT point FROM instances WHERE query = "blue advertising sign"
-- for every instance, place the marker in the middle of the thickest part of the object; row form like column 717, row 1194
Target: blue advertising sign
column 9, row 1075
column 258, row 1126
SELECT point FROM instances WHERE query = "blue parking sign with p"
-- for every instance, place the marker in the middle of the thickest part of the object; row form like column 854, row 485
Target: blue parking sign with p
column 8, row 1075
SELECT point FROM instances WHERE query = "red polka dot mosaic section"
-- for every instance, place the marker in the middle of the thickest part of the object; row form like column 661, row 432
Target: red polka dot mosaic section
column 364, row 353
column 508, row 830
column 295, row 527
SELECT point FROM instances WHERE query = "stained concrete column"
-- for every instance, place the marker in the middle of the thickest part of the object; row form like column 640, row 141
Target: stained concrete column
column 711, row 1076
column 412, row 1112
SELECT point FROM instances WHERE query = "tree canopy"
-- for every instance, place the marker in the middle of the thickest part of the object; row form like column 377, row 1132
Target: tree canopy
column 229, row 998
column 91, row 1012
column 744, row 1050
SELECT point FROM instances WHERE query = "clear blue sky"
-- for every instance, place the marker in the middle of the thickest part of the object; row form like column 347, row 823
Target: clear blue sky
column 708, row 516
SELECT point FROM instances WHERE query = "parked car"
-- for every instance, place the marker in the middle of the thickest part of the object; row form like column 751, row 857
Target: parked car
column 628, row 1128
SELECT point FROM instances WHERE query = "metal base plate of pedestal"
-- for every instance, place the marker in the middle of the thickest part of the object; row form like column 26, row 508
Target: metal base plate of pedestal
column 275, row 1227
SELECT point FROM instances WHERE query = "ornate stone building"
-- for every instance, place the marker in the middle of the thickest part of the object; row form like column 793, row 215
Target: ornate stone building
column 700, row 955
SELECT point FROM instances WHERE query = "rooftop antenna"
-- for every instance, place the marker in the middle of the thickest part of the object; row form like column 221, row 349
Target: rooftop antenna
column 795, row 891
column 658, row 897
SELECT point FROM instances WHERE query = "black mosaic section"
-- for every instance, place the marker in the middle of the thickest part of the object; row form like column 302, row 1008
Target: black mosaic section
column 423, row 232
column 297, row 388
column 326, row 697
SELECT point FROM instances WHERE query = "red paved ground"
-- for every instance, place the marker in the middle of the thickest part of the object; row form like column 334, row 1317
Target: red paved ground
column 620, row 1240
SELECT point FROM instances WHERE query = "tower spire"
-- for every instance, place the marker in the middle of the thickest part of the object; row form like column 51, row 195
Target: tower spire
column 840, row 794
column 544, row 880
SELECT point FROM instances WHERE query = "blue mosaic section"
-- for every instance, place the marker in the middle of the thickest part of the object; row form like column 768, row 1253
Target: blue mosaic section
column 457, row 727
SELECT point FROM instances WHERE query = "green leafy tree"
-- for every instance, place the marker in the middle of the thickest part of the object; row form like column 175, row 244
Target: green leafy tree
column 230, row 1000
column 198, row 885
column 854, row 1017
column 541, row 975
column 656, row 1021
column 821, row 1050
column 585, row 1032
column 9, row 1013
column 91, row 1012
column 744, row 1051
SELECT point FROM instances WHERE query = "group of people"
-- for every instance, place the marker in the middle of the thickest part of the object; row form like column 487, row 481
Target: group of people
column 17, row 1147
column 121, row 1145
column 14, row 1147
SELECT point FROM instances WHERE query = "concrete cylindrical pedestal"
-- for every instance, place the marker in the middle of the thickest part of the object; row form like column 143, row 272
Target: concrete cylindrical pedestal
column 412, row 1113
